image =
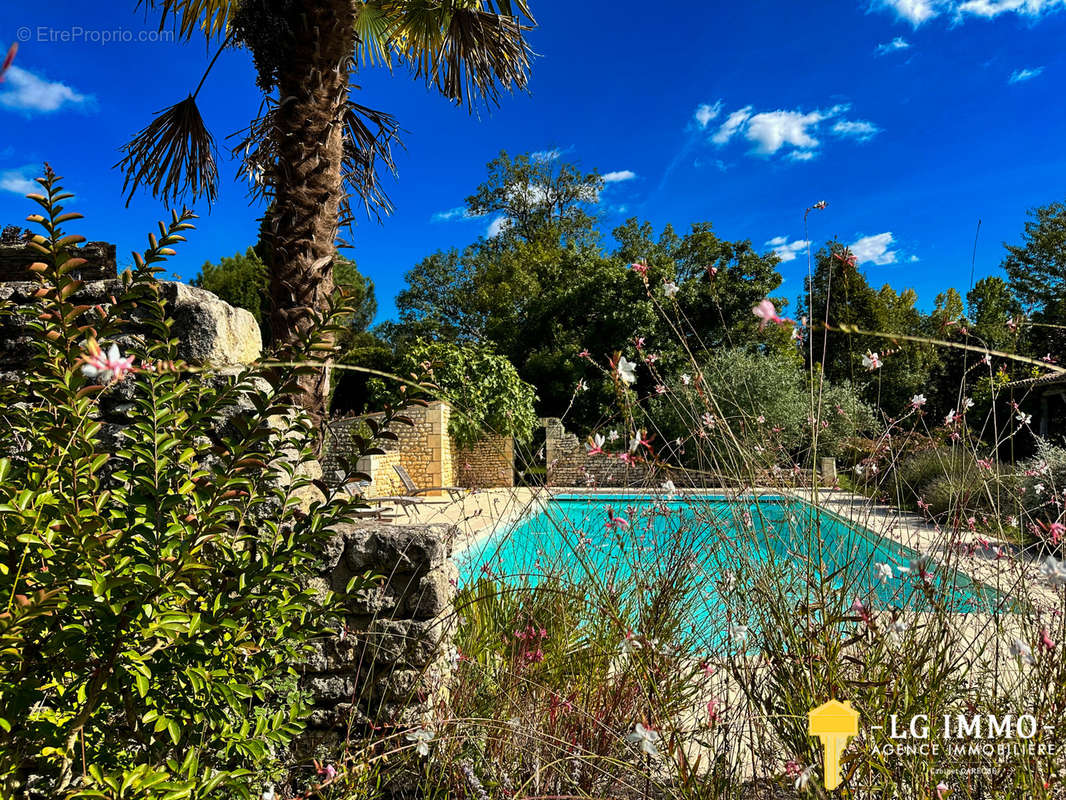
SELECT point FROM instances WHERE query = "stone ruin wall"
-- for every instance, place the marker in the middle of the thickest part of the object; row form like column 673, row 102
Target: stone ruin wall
column 16, row 258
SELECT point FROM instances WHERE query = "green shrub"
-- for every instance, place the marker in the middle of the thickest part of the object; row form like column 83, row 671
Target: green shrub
column 154, row 563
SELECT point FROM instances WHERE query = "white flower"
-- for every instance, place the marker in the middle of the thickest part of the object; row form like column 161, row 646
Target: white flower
column 268, row 792
column 918, row 401
column 871, row 361
column 630, row 645
column 627, row 370
column 898, row 627
column 1039, row 488
column 951, row 417
column 422, row 738
column 884, row 572
column 1023, row 418
column 612, row 436
column 1022, row 651
column 738, row 634
column 597, row 442
column 670, row 289
column 803, row 779
column 671, row 490
column 635, row 442
column 685, row 379
column 646, row 738
column 967, row 403
column 1054, row 570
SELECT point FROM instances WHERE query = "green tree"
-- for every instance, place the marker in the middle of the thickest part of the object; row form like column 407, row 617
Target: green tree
column 484, row 389
column 314, row 143
column 242, row 281
column 1036, row 268
column 991, row 306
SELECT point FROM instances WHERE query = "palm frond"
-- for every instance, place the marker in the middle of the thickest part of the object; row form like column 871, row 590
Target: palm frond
column 211, row 17
column 369, row 136
column 174, row 157
column 468, row 51
column 375, row 26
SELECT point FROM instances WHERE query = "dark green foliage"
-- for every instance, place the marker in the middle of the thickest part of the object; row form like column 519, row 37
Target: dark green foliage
column 154, row 558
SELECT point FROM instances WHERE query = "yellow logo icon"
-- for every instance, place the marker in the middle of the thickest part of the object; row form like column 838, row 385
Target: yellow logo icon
column 834, row 723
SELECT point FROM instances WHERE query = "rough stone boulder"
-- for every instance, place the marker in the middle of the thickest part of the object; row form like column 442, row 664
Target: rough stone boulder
column 208, row 330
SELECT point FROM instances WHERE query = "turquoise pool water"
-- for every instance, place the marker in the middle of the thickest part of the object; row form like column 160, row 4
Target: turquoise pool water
column 722, row 544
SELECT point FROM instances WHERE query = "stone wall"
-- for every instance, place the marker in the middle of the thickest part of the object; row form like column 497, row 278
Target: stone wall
column 489, row 462
column 569, row 464
column 16, row 257
column 430, row 456
column 387, row 665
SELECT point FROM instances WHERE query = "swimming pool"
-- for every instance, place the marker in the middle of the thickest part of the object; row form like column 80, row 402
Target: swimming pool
column 720, row 545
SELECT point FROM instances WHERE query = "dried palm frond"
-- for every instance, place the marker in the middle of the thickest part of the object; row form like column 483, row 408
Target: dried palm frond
column 174, row 156
column 369, row 136
column 211, row 17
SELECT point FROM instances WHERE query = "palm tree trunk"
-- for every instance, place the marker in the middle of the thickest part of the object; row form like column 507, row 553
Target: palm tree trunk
column 301, row 228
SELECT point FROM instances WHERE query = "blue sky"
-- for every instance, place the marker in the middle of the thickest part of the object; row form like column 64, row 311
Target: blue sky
column 912, row 118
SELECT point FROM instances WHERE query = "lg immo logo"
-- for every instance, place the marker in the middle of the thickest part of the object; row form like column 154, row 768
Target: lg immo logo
column 834, row 723
column 979, row 735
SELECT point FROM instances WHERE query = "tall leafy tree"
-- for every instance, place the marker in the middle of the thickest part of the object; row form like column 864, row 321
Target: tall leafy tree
column 314, row 143
column 1037, row 267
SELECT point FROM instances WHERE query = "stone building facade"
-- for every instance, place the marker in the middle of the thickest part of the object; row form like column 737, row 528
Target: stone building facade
column 569, row 464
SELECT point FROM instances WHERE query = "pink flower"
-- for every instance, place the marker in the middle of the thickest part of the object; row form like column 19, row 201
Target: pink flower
column 712, row 710
column 583, row 354
column 820, row 205
column 861, row 610
column 640, row 269
column 942, row 790
column 871, row 361
column 1046, row 642
column 767, row 313
column 7, row 61
column 106, row 367
column 846, row 256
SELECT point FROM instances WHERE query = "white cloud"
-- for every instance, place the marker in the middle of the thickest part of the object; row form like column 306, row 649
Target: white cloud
column 705, row 113
column 861, row 130
column 917, row 12
column 619, row 176
column 15, row 180
column 874, row 250
column 498, row 226
column 786, row 250
column 897, row 44
column 989, row 9
column 913, row 11
column 543, row 156
column 459, row 212
column 732, row 124
column 24, row 91
column 792, row 133
column 1022, row 75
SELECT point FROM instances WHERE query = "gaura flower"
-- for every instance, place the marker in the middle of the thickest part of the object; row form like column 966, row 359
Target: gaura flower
column 1021, row 651
column 105, row 366
column 671, row 490
column 595, row 445
column 1046, row 642
column 884, row 572
column 646, row 738
column 942, row 790
column 640, row 269
column 670, row 289
column 767, row 313
column 1054, row 570
column 918, row 401
column 951, row 417
column 871, row 361
column 627, row 370
column 685, row 379
column 422, row 739
column 8, row 59
column 738, row 634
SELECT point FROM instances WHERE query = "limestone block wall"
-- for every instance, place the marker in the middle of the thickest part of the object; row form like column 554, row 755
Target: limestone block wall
column 387, row 663
column 430, row 456
column 489, row 462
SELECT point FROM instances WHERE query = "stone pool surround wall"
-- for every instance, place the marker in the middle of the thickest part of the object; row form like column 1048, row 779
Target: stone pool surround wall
column 430, row 456
column 384, row 671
